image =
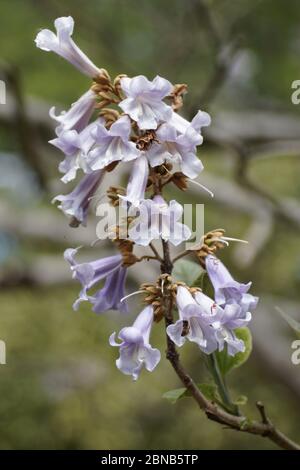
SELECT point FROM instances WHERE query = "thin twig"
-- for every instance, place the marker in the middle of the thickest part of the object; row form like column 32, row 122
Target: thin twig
column 148, row 258
column 181, row 255
column 155, row 252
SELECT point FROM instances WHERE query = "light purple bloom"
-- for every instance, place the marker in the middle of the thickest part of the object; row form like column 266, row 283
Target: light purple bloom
column 197, row 316
column 157, row 219
column 202, row 119
column 144, row 102
column 62, row 44
column 76, row 203
column 207, row 324
column 75, row 146
column 227, row 290
column 91, row 273
column 233, row 317
column 110, row 296
column 135, row 350
column 78, row 116
column 112, row 145
column 177, row 149
column 137, row 182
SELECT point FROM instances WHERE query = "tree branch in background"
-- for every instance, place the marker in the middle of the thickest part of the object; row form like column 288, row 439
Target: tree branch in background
column 224, row 50
column 25, row 132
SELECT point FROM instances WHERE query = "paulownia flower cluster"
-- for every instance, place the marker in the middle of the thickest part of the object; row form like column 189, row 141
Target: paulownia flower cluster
column 135, row 122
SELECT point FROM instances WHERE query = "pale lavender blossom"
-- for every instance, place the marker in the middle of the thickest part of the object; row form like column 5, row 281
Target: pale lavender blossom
column 135, row 350
column 112, row 145
column 89, row 274
column 76, row 203
column 177, row 149
column 201, row 119
column 197, row 317
column 111, row 295
column 78, row 116
column 137, row 183
column 75, row 145
column 207, row 324
column 227, row 290
column 157, row 219
column 144, row 102
column 233, row 316
column 62, row 44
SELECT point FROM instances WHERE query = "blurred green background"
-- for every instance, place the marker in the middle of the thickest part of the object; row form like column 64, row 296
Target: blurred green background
column 60, row 388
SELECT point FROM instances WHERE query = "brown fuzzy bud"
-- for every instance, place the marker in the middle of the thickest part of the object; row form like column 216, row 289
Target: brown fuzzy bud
column 210, row 244
column 117, row 85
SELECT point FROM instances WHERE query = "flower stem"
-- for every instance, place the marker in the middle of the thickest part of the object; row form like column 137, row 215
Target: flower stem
column 219, row 380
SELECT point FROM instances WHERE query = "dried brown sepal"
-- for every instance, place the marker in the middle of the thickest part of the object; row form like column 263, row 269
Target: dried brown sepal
column 156, row 293
column 213, row 238
column 102, row 104
column 102, row 82
column 177, row 94
column 117, row 85
column 210, row 245
column 110, row 115
column 125, row 247
column 159, row 313
column 113, row 193
column 194, row 290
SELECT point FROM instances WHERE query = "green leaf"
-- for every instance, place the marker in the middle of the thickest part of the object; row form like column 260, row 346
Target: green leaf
column 186, row 271
column 205, row 284
column 241, row 400
column 210, row 391
column 294, row 324
column 225, row 362
column 173, row 395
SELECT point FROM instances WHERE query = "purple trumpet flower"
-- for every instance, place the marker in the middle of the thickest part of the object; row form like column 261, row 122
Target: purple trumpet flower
column 137, row 182
column 135, row 350
column 112, row 145
column 90, row 273
column 197, row 316
column 177, row 148
column 78, row 116
column 233, row 317
column 75, row 147
column 227, row 290
column 76, row 204
column 157, row 219
column 144, row 102
column 63, row 45
column 201, row 119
